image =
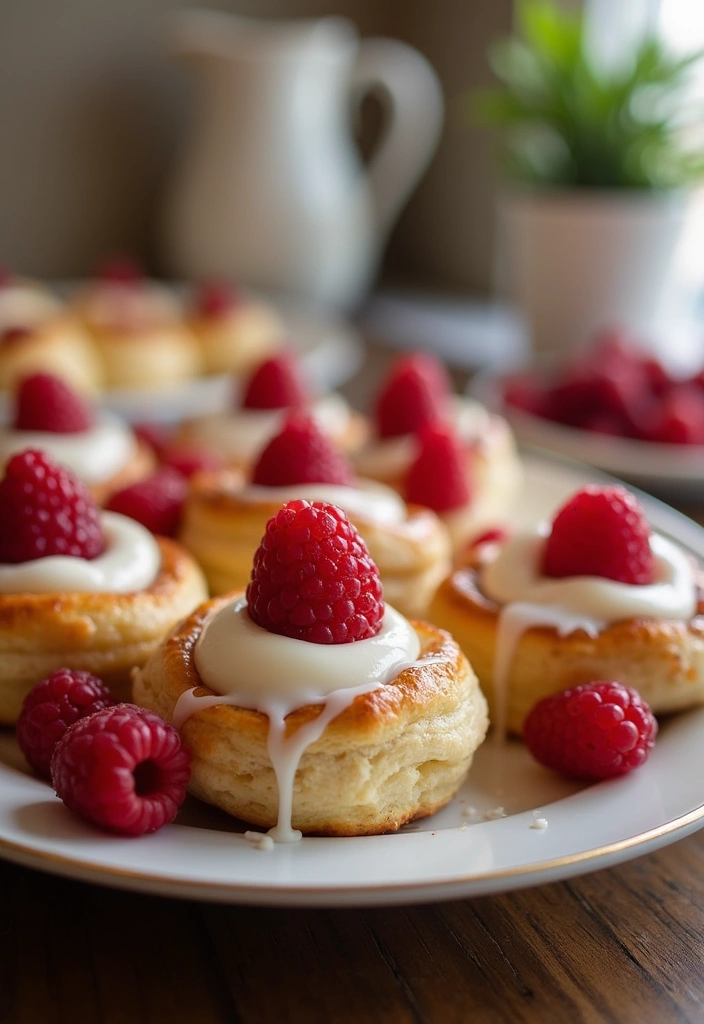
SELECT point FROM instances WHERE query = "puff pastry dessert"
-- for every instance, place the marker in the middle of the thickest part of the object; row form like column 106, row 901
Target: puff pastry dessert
column 273, row 389
column 138, row 329
column 417, row 395
column 296, row 733
column 97, row 446
column 620, row 603
column 78, row 588
column 233, row 330
column 39, row 333
column 226, row 512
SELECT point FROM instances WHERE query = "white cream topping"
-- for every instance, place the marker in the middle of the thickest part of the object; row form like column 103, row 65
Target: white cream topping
column 242, row 433
column 372, row 500
column 249, row 667
column 25, row 305
column 130, row 562
column 94, row 455
column 567, row 604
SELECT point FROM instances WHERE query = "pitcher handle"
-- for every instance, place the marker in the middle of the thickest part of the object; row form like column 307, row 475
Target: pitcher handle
column 411, row 95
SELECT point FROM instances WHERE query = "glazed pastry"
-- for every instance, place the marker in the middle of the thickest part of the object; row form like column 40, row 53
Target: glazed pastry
column 225, row 515
column 592, row 596
column 138, row 329
column 96, row 445
column 417, row 394
column 334, row 717
column 38, row 333
column 234, row 332
column 272, row 390
column 78, row 588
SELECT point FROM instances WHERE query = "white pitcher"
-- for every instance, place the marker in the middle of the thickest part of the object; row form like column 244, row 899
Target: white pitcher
column 271, row 191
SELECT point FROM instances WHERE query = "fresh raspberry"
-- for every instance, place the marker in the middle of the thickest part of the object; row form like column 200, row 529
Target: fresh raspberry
column 313, row 578
column 301, row 454
column 158, row 436
column 156, row 502
column 416, row 392
column 188, row 459
column 45, row 510
column 123, row 768
column 678, row 417
column 275, row 384
column 594, row 731
column 601, row 531
column 51, row 707
column 120, row 270
column 439, row 475
column 524, row 391
column 215, row 299
column 46, row 402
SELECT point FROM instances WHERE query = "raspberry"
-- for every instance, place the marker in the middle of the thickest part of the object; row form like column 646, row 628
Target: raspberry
column 121, row 270
column 601, row 531
column 156, row 502
column 595, row 731
column 678, row 417
column 51, row 707
column 123, row 768
column 158, row 436
column 438, row 477
column 46, row 402
column 188, row 459
column 301, row 454
column 313, row 578
column 416, row 392
column 275, row 384
column 45, row 510
column 215, row 299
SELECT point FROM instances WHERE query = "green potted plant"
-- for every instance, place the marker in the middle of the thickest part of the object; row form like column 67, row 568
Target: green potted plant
column 601, row 174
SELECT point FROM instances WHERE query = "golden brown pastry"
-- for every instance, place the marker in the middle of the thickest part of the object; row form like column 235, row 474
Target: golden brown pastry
column 393, row 754
column 234, row 331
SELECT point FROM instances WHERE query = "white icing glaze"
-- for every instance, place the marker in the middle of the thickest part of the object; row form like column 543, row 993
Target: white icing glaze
column 372, row 500
column 567, row 604
column 25, row 305
column 241, row 434
column 94, row 455
column 249, row 667
column 130, row 562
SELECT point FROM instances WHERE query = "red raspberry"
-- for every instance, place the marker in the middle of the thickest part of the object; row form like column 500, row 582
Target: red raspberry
column 275, row 384
column 188, row 459
column 51, row 707
column 416, row 392
column 123, row 768
column 526, row 392
column 46, row 402
column 158, row 436
column 313, row 578
column 601, row 531
column 156, row 502
column 594, row 731
column 121, row 270
column 45, row 510
column 678, row 417
column 215, row 299
column 439, row 475
column 301, row 454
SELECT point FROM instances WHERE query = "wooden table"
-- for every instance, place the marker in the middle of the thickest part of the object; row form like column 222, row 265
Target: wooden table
column 620, row 945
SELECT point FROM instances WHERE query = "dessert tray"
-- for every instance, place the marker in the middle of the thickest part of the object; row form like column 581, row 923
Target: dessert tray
column 664, row 468
column 488, row 840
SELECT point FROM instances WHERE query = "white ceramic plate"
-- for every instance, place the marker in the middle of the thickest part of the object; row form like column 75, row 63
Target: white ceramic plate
column 675, row 469
column 460, row 852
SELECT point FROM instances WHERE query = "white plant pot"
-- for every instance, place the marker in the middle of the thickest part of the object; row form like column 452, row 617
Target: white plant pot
column 574, row 262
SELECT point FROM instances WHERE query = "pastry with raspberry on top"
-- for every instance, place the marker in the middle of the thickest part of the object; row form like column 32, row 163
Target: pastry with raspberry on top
column 79, row 588
column 234, row 331
column 594, row 594
column 308, row 704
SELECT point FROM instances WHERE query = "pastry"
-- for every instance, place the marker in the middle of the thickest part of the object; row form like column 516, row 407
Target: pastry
column 594, row 595
column 417, row 394
column 39, row 333
column 296, row 726
column 261, row 404
column 78, row 588
column 138, row 329
column 234, row 331
column 96, row 445
column 226, row 512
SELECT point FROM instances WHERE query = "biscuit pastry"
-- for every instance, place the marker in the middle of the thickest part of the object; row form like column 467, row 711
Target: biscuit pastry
column 234, row 331
column 329, row 738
